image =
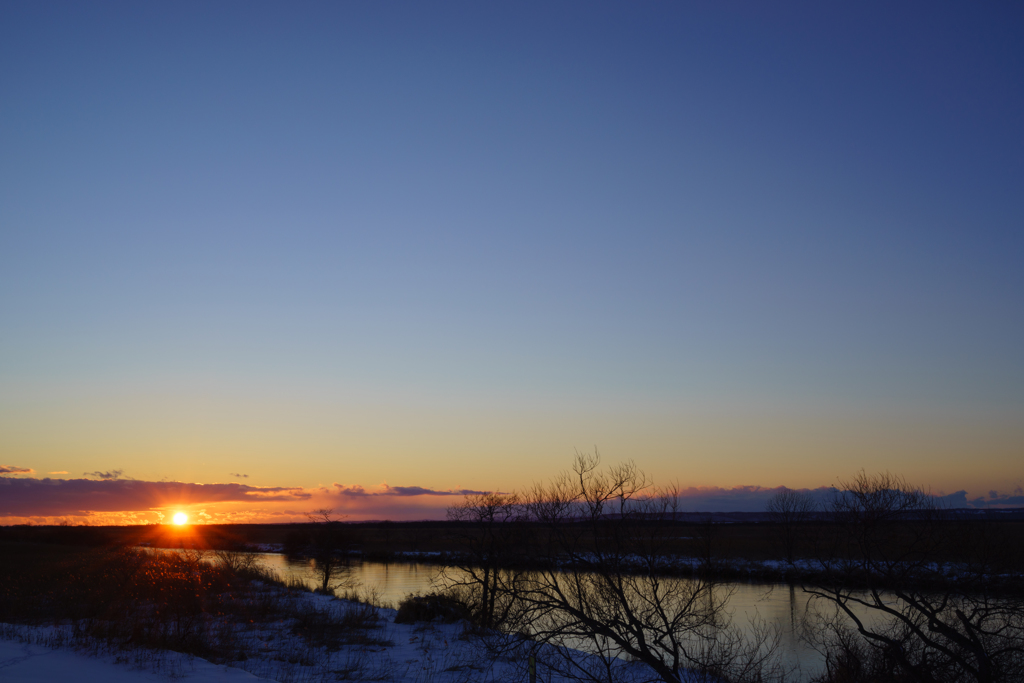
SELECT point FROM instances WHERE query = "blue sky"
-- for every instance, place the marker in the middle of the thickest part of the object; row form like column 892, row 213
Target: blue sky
column 445, row 244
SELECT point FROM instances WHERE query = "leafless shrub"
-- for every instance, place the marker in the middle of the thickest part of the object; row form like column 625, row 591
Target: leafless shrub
column 329, row 546
column 238, row 563
column 442, row 607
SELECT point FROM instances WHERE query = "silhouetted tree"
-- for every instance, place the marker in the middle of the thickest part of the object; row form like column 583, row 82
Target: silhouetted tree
column 328, row 546
column 605, row 536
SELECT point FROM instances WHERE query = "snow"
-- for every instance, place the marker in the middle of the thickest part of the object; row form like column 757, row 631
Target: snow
column 395, row 653
column 31, row 663
column 268, row 547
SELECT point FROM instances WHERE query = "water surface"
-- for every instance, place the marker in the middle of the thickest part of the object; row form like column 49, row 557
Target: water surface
column 781, row 604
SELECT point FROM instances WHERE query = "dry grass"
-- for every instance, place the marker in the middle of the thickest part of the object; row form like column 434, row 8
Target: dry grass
column 186, row 602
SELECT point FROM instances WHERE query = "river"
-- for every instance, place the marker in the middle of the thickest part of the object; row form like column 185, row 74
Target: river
column 780, row 604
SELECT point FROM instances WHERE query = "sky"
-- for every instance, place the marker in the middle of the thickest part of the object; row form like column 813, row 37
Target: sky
column 261, row 258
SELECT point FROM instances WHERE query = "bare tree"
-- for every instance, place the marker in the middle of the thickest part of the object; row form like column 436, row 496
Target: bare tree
column 789, row 511
column 886, row 559
column 604, row 535
column 329, row 546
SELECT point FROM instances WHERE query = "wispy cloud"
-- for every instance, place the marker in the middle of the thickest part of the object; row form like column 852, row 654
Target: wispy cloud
column 996, row 499
column 401, row 491
column 737, row 498
column 236, row 475
column 47, row 497
column 58, row 472
column 12, row 469
column 112, row 475
column 112, row 499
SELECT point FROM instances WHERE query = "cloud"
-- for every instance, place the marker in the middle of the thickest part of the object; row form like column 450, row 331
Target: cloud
column 58, row 472
column 111, row 475
column 389, row 502
column 400, row 491
column 48, row 497
column 236, row 475
column 11, row 469
column 115, row 500
column 996, row 500
column 957, row 499
column 111, row 499
column 737, row 498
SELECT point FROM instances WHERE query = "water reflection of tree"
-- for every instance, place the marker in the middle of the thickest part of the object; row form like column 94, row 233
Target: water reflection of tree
column 490, row 537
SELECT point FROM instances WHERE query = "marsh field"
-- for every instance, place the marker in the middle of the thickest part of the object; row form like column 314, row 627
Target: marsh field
column 733, row 538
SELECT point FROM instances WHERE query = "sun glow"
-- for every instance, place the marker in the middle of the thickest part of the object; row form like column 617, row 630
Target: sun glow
column 180, row 518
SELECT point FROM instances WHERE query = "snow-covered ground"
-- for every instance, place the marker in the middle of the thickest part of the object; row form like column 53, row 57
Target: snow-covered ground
column 27, row 662
column 301, row 652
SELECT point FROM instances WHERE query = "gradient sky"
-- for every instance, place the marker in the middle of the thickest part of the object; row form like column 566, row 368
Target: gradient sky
column 444, row 245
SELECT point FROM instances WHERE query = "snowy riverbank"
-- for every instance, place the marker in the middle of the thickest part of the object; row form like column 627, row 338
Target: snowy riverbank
column 328, row 639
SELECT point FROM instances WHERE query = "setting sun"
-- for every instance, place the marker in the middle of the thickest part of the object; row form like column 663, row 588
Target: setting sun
column 180, row 518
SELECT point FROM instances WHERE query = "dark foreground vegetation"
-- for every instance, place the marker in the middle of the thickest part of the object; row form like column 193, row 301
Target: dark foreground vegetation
column 132, row 600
